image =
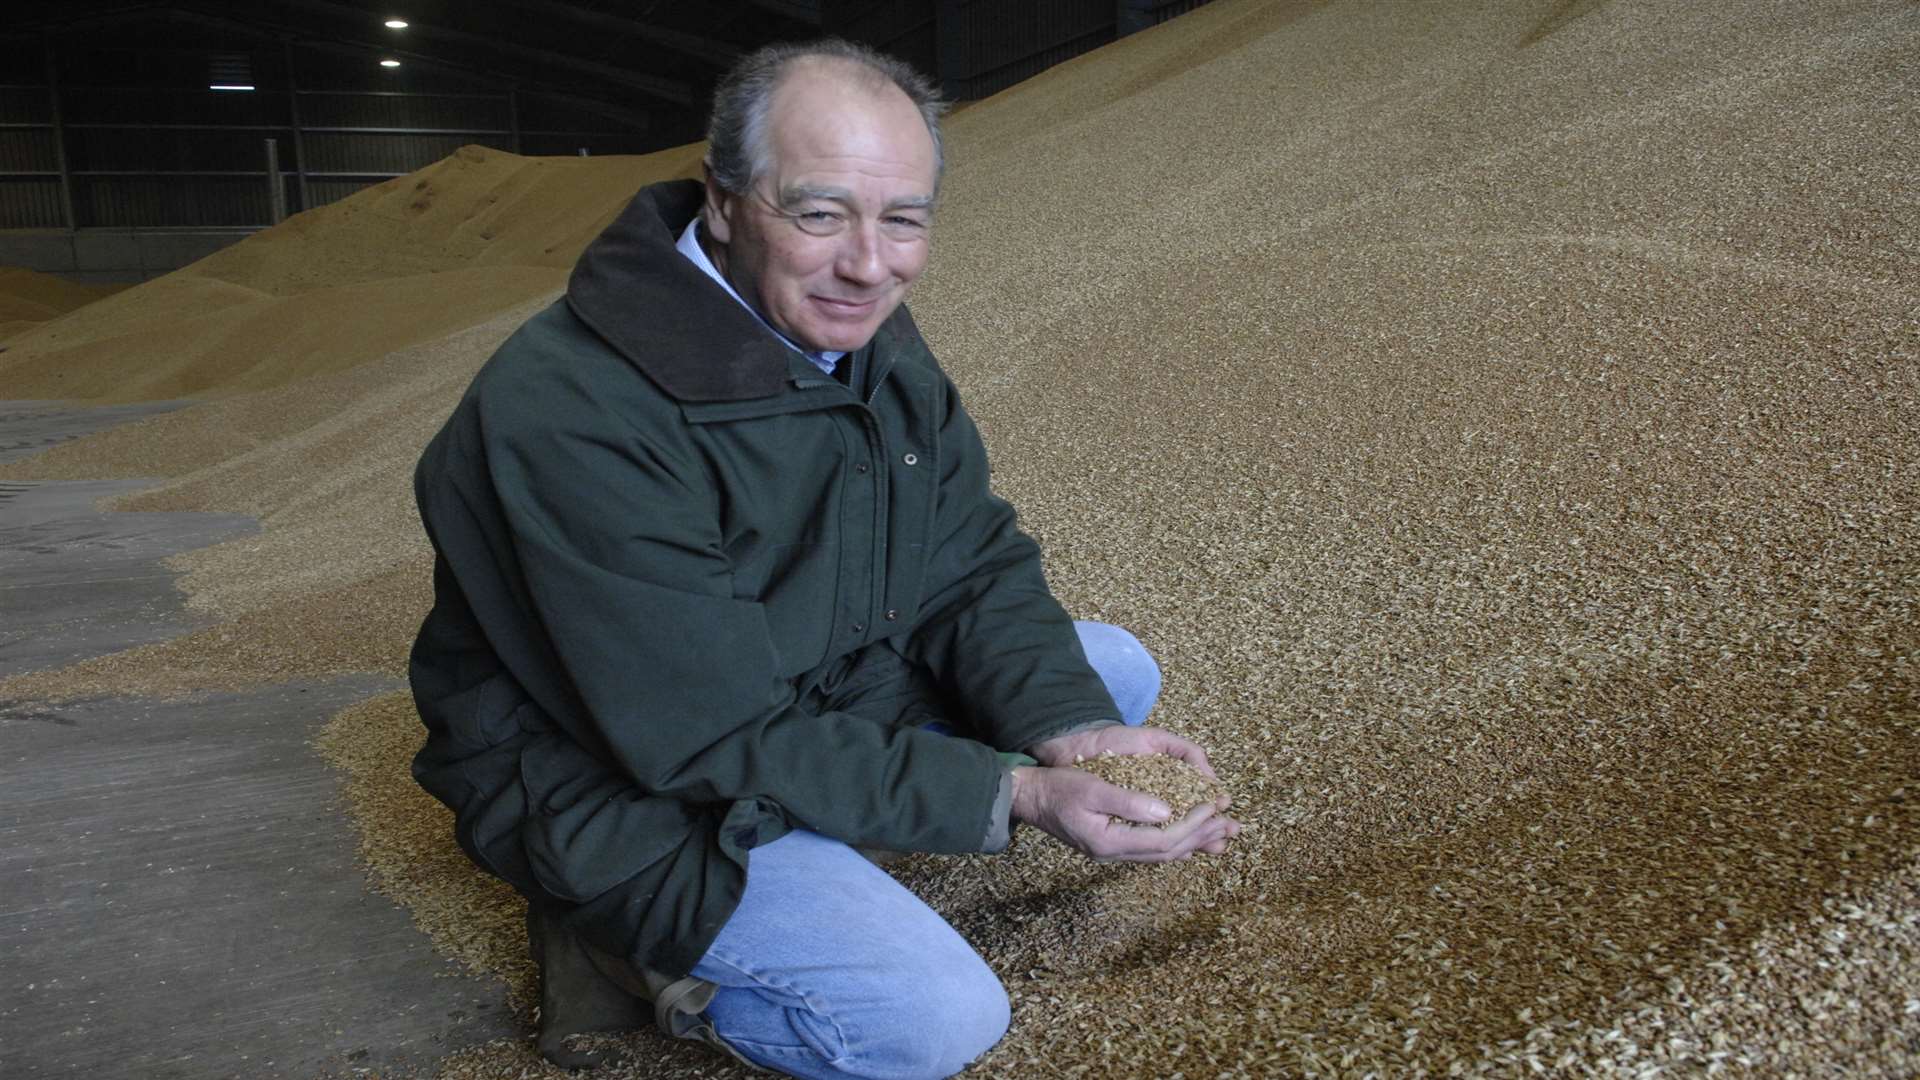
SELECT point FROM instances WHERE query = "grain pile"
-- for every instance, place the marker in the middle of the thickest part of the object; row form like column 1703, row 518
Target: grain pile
column 28, row 298
column 318, row 438
column 401, row 264
column 1500, row 419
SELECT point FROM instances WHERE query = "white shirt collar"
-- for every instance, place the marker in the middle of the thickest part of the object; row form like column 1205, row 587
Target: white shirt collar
column 689, row 245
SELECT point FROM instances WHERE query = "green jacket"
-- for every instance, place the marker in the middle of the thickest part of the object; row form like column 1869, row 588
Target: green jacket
column 691, row 592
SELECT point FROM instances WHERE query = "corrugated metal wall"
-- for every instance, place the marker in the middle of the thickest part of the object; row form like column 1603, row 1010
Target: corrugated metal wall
column 24, row 105
column 377, row 109
column 1164, row 11
column 159, row 156
column 99, row 149
column 327, row 191
column 24, row 151
column 977, row 48
column 30, row 203
column 143, row 201
column 988, row 45
column 29, row 166
column 331, row 154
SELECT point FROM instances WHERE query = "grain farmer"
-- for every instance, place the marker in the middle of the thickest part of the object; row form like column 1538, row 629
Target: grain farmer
column 722, row 593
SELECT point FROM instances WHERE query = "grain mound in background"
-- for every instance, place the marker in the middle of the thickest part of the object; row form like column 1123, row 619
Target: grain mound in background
column 1500, row 420
column 340, row 578
column 28, row 298
column 398, row 265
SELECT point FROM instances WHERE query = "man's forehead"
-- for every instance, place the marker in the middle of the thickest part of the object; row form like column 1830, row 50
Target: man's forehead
column 833, row 110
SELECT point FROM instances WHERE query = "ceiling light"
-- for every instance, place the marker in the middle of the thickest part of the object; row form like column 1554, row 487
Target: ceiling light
column 229, row 71
column 389, row 63
column 396, row 24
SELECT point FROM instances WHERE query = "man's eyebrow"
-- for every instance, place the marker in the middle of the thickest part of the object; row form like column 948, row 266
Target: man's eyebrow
column 795, row 193
column 799, row 193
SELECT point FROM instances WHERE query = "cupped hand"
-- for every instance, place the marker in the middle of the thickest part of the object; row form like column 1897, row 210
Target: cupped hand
column 1089, row 743
column 1095, row 817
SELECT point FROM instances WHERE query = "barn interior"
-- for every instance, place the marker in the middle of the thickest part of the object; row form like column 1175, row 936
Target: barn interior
column 1498, row 418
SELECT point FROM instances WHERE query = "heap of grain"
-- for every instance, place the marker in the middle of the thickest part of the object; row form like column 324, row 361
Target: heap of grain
column 28, row 299
column 1501, row 423
column 351, row 332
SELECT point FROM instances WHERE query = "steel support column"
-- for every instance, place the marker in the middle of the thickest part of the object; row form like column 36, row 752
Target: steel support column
column 276, row 187
column 293, row 118
column 59, row 134
column 513, row 116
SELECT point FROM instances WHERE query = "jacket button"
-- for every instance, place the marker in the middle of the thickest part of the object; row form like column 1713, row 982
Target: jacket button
column 860, row 468
column 911, row 459
column 859, row 628
column 893, row 615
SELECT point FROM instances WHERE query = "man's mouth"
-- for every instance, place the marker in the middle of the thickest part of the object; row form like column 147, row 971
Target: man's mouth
column 838, row 306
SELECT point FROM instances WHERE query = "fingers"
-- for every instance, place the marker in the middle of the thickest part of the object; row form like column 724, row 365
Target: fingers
column 1204, row 828
column 1115, row 801
column 1150, row 740
column 1190, row 753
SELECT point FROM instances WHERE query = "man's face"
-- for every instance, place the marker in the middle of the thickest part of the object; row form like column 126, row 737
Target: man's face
column 827, row 242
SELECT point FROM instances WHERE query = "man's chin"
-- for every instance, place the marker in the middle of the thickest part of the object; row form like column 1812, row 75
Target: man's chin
column 845, row 331
column 840, row 338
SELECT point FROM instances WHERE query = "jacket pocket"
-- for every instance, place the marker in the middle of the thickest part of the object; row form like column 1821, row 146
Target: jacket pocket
column 590, row 827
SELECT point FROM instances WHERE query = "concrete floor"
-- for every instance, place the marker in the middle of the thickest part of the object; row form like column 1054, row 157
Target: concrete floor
column 178, row 890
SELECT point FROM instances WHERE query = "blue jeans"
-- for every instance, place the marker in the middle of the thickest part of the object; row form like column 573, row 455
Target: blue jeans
column 831, row 969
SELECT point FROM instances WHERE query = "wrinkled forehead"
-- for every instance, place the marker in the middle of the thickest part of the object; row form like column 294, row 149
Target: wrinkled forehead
column 841, row 120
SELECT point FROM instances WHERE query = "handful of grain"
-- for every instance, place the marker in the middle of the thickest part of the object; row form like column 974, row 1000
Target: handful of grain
column 1166, row 778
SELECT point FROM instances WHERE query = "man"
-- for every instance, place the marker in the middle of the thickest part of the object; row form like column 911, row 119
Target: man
column 721, row 590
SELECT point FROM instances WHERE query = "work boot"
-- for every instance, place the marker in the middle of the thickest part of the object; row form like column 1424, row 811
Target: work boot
column 575, row 996
column 584, row 989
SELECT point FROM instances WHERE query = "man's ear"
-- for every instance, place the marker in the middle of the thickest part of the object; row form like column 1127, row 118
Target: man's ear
column 718, row 205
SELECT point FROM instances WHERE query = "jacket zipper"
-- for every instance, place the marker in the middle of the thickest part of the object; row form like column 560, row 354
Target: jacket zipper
column 877, row 569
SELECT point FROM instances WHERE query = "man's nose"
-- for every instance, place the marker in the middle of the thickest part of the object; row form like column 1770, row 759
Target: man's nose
column 860, row 256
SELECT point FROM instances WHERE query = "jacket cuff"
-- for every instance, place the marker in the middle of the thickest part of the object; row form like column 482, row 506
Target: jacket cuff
column 1000, row 820
column 1085, row 725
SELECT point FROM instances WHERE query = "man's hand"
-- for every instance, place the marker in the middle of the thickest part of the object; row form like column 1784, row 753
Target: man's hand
column 1089, row 743
column 1080, row 809
column 1088, row 814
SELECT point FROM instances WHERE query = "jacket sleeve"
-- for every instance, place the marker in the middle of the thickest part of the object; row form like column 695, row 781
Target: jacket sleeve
column 989, row 627
column 670, row 678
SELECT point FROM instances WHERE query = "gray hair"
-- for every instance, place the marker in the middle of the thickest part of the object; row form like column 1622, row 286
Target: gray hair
column 737, row 144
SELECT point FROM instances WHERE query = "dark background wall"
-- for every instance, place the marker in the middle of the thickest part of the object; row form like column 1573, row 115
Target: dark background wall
column 118, row 161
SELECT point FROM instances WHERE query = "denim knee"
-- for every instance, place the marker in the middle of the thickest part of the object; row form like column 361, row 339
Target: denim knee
column 947, row 1018
column 1125, row 665
column 920, row 1021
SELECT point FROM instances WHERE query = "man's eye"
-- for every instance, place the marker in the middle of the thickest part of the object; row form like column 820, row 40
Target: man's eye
column 817, row 222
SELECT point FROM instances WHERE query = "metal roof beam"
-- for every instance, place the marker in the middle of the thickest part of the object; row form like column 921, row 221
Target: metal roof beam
column 806, row 11
column 707, row 50
column 670, row 90
column 98, row 16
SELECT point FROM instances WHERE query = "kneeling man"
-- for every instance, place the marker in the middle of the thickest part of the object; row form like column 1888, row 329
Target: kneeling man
column 722, row 596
